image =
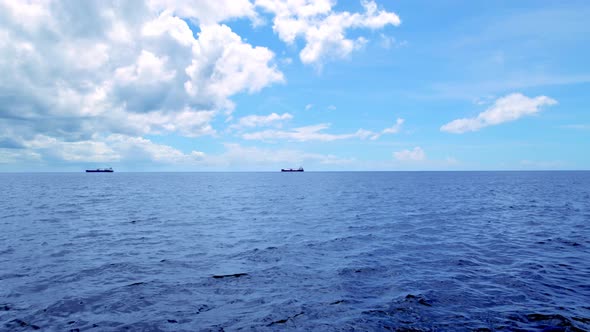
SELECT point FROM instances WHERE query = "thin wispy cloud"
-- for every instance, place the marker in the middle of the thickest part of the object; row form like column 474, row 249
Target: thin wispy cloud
column 509, row 108
column 416, row 154
column 579, row 126
column 252, row 121
column 305, row 134
column 316, row 133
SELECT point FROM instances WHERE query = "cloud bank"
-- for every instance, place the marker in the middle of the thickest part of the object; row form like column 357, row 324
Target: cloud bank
column 115, row 67
column 90, row 80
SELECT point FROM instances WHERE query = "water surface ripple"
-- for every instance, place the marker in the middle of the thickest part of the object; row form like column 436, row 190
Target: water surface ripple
column 423, row 251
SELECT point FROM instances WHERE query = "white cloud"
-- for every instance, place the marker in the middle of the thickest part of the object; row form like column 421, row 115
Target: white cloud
column 206, row 12
column 391, row 130
column 141, row 148
column 315, row 133
column 13, row 156
column 84, row 81
column 323, row 29
column 417, row 154
column 187, row 122
column 109, row 149
column 452, row 161
column 577, row 126
column 388, row 42
column 78, row 69
column 224, row 65
column 31, row 14
column 262, row 120
column 167, row 24
column 331, row 108
column 395, row 128
column 243, row 156
column 308, row 107
column 87, row 151
column 149, row 69
column 484, row 100
column 304, row 134
column 505, row 109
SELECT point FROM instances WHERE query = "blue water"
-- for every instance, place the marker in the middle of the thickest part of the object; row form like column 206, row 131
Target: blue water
column 424, row 251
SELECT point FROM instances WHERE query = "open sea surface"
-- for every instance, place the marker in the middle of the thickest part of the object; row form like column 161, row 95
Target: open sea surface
column 326, row 251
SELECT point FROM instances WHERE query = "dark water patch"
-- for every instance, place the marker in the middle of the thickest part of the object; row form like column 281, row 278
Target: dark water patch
column 267, row 255
column 12, row 276
column 284, row 320
column 203, row 308
column 547, row 322
column 61, row 253
column 362, row 271
column 417, row 299
column 19, row 323
column 234, row 275
column 7, row 251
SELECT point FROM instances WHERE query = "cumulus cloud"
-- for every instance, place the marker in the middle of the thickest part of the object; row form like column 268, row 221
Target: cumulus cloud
column 189, row 123
column 71, row 70
column 141, row 148
column 323, row 29
column 148, row 69
column 224, row 65
column 109, row 149
column 88, row 80
column 206, row 12
column 86, row 151
column 12, row 156
column 417, row 154
column 505, row 109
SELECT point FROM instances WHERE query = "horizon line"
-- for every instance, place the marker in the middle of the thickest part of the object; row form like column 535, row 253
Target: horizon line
column 318, row 171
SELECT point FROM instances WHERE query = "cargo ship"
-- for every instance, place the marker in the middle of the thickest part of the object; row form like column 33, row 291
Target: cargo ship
column 100, row 170
column 300, row 169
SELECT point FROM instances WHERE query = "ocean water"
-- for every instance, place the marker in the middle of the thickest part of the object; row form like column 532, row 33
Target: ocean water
column 362, row 251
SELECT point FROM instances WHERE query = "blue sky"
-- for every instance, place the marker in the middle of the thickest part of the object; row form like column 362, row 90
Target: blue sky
column 263, row 84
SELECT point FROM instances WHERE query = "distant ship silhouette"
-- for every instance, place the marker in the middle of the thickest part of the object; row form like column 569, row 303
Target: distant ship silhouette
column 100, row 170
column 300, row 169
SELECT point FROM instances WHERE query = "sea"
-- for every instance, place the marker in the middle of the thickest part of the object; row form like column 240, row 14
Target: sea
column 311, row 251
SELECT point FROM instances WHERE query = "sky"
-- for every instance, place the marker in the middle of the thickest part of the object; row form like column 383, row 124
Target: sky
column 259, row 85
